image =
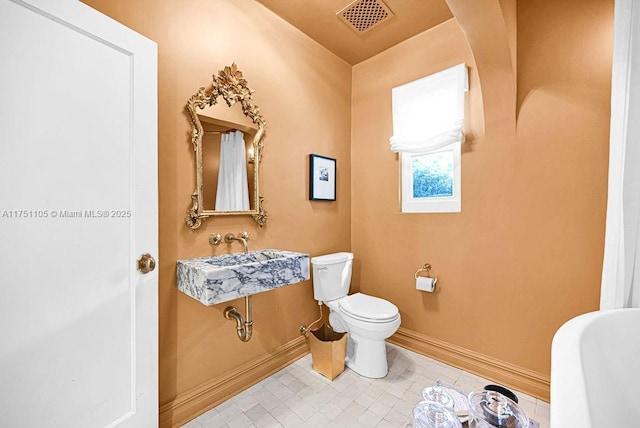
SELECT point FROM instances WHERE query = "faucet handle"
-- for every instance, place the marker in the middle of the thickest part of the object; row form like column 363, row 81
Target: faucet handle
column 243, row 235
column 215, row 239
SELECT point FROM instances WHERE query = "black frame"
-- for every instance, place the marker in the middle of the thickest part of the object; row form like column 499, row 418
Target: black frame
column 318, row 191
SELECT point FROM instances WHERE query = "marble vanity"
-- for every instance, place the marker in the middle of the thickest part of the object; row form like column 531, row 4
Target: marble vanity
column 216, row 279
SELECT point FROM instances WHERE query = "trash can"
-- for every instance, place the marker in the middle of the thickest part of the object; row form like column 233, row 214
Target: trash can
column 328, row 349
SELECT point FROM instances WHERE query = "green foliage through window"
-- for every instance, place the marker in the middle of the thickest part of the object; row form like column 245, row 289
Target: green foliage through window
column 432, row 175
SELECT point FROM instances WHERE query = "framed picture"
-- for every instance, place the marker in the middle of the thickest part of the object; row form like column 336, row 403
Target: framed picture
column 322, row 178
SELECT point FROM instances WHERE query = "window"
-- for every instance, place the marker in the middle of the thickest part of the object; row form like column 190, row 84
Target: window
column 431, row 181
column 427, row 132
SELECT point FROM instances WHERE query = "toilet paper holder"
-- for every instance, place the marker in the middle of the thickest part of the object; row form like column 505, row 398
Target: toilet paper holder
column 426, row 268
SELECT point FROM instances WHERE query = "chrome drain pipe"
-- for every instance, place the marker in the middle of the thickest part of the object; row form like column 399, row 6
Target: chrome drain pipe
column 244, row 328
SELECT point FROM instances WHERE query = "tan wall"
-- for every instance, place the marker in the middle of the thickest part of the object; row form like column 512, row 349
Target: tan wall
column 525, row 253
column 304, row 94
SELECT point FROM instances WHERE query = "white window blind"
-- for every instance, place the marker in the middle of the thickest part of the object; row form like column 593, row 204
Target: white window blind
column 428, row 113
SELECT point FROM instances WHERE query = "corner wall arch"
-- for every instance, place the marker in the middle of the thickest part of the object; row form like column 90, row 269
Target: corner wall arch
column 490, row 29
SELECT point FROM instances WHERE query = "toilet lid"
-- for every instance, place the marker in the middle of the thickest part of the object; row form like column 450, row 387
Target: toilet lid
column 368, row 307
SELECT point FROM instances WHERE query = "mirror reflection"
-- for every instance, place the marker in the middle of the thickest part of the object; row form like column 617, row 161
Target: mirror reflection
column 227, row 165
column 227, row 141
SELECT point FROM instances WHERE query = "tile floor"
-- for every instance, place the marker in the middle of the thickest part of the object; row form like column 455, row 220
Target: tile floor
column 298, row 397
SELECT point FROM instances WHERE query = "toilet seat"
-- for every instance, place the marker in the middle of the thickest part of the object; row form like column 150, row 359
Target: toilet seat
column 368, row 308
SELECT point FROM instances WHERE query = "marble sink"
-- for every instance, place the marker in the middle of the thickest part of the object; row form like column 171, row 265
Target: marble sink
column 216, row 279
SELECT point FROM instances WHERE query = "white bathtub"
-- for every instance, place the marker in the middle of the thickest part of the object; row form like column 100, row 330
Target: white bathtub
column 595, row 371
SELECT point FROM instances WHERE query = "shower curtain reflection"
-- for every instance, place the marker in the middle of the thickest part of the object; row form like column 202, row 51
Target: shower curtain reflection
column 233, row 190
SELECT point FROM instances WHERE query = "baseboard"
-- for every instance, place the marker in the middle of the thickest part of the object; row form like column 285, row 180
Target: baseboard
column 190, row 404
column 521, row 379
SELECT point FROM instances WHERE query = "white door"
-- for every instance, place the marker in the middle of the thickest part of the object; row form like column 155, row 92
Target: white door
column 78, row 205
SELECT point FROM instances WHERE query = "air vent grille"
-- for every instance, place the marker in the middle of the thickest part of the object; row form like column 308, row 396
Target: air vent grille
column 362, row 15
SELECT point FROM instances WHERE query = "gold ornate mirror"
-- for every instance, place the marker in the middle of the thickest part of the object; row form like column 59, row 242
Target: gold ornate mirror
column 228, row 148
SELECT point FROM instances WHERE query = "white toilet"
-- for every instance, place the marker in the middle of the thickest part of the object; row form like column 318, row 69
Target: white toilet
column 368, row 320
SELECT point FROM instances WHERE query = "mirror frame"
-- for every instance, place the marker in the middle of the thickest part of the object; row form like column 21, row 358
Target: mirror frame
column 233, row 88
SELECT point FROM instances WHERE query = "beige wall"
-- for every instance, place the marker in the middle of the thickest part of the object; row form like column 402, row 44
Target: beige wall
column 523, row 256
column 304, row 94
column 525, row 253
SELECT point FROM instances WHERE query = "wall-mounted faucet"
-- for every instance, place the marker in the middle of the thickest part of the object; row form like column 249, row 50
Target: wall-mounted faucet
column 242, row 237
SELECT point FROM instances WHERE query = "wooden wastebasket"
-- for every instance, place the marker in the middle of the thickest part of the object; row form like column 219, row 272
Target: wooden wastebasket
column 328, row 350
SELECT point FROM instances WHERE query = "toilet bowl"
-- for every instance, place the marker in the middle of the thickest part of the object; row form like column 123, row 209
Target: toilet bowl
column 368, row 320
column 367, row 329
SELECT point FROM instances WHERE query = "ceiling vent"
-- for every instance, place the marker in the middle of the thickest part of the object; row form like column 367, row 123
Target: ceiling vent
column 363, row 15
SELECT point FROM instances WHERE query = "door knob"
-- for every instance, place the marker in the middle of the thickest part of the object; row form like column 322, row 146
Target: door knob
column 146, row 263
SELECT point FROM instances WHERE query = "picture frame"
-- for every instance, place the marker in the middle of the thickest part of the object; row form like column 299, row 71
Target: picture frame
column 322, row 178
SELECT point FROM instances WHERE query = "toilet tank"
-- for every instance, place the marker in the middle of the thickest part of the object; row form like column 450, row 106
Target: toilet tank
column 331, row 276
